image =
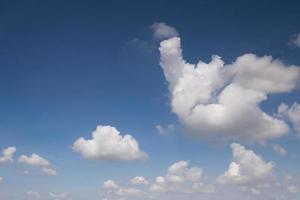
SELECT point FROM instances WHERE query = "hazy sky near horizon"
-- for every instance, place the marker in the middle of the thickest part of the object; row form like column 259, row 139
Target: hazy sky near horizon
column 149, row 100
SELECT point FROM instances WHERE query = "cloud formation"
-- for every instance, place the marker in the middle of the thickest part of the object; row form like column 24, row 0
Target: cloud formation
column 108, row 144
column 7, row 155
column 163, row 130
column 38, row 161
column 163, row 31
column 180, row 179
column 217, row 100
column 292, row 114
column 248, row 170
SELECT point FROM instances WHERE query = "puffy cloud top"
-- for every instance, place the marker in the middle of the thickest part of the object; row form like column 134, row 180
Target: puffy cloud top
column 34, row 160
column 222, row 101
column 108, row 144
column 162, row 31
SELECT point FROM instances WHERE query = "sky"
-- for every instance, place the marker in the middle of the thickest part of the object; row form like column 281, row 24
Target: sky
column 127, row 100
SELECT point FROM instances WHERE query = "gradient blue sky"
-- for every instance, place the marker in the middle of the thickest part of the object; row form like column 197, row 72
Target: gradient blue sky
column 68, row 66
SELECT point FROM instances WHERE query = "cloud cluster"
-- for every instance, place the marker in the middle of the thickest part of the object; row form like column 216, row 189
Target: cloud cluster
column 108, row 144
column 218, row 100
column 38, row 161
column 179, row 178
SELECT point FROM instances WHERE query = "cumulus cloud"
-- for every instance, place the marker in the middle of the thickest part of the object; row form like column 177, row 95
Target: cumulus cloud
column 218, row 100
column 296, row 40
column 163, row 31
column 179, row 178
column 108, row 144
column 248, row 170
column 292, row 114
column 7, row 155
column 38, row 161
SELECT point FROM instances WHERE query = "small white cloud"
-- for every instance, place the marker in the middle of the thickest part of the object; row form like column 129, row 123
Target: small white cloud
column 7, row 155
column 139, row 180
column 110, row 185
column 165, row 130
column 108, row 144
column 163, row 31
column 1, row 179
column 293, row 189
column 34, row 160
column 49, row 171
column 296, row 40
column 38, row 161
column 33, row 195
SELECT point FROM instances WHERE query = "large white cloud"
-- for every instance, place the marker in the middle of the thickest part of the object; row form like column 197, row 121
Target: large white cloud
column 108, row 144
column 248, row 170
column 223, row 101
column 38, row 161
column 7, row 155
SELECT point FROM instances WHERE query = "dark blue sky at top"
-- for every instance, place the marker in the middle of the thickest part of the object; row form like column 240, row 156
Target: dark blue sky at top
column 66, row 66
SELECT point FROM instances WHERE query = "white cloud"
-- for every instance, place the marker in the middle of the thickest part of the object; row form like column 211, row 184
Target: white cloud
column 248, row 170
column 110, row 185
column 38, row 161
column 222, row 101
column 162, row 31
column 49, row 171
column 7, row 155
column 34, row 160
column 179, row 179
column 139, row 180
column 108, row 144
column 33, row 195
column 1, row 179
column 163, row 130
column 292, row 114
column 296, row 40
column 279, row 150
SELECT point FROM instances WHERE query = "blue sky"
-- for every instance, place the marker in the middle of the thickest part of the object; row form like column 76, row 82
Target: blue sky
column 67, row 67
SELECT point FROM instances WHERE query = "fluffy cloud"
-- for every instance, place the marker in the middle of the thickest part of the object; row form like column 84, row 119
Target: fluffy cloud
column 162, row 31
column 179, row 178
column 248, row 170
column 292, row 114
column 222, row 101
column 108, row 144
column 7, row 155
column 38, row 161
column 296, row 40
